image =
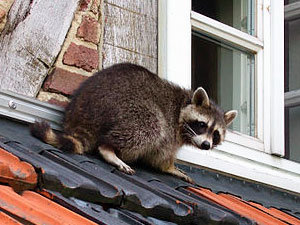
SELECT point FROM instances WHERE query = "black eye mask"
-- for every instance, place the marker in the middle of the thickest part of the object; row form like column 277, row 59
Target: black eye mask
column 216, row 137
column 198, row 127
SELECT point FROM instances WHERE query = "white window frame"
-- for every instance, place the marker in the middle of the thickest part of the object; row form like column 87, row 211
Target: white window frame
column 257, row 159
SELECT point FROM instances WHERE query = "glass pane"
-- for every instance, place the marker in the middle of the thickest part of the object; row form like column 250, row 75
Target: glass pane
column 239, row 14
column 292, row 83
column 290, row 1
column 294, row 134
column 293, row 47
column 227, row 74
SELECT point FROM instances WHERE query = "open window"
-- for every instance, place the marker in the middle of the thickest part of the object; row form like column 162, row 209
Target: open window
column 292, row 79
column 235, row 51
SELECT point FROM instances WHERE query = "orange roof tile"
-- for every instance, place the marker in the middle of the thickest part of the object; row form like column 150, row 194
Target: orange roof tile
column 20, row 175
column 261, row 214
column 278, row 214
column 6, row 219
column 34, row 208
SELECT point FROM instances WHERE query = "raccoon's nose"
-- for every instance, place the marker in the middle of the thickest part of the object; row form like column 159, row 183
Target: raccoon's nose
column 205, row 145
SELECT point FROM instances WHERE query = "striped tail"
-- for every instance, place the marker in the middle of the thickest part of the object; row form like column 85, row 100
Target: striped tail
column 44, row 132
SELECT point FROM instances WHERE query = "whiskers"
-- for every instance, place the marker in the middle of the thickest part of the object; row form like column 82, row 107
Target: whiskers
column 189, row 132
column 187, row 127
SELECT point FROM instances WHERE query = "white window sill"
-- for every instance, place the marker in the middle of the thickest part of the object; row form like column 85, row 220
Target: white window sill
column 246, row 163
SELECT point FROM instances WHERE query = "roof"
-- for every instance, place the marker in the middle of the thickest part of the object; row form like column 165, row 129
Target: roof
column 40, row 184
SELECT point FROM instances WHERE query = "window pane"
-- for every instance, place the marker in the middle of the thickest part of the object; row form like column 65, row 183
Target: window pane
column 290, row 1
column 227, row 74
column 294, row 135
column 292, row 43
column 239, row 14
column 292, row 83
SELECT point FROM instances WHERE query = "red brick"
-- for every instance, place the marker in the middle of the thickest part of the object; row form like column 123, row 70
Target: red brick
column 89, row 30
column 63, row 81
column 54, row 101
column 81, row 57
column 84, row 4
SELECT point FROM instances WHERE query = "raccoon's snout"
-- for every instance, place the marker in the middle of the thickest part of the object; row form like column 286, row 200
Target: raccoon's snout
column 205, row 145
column 202, row 144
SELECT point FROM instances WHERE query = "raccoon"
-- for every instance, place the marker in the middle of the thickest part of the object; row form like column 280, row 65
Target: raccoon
column 128, row 114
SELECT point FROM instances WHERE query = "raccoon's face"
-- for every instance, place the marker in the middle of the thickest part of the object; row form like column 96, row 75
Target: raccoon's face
column 202, row 123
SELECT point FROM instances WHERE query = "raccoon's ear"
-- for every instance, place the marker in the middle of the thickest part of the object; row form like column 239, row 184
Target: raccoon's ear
column 229, row 116
column 200, row 97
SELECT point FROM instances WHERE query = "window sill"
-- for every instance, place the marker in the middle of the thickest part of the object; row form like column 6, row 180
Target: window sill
column 246, row 163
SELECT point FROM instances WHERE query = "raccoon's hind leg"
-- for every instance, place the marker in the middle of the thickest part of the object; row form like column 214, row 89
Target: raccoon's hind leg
column 109, row 156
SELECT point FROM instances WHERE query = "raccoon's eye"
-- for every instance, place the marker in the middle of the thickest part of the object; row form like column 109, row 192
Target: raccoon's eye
column 202, row 124
column 198, row 127
column 216, row 137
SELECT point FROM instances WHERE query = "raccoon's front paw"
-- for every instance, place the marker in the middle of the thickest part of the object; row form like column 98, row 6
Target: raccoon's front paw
column 126, row 169
column 178, row 173
column 188, row 179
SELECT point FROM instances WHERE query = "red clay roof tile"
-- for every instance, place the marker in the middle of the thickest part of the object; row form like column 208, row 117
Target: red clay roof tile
column 278, row 214
column 6, row 219
column 34, row 208
column 19, row 175
column 260, row 214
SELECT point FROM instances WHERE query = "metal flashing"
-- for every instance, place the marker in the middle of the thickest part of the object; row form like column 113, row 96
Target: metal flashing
column 28, row 109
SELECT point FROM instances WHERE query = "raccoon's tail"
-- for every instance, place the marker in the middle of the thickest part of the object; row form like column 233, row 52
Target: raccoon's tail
column 44, row 132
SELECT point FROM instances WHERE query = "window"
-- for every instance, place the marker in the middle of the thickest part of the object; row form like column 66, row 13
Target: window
column 239, row 14
column 225, row 71
column 227, row 74
column 229, row 56
column 235, row 50
column 292, row 79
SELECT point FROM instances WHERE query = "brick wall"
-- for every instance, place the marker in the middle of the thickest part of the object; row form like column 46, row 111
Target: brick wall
column 102, row 33
column 79, row 57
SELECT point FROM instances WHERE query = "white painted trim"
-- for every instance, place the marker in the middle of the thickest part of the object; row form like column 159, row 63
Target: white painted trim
column 260, row 74
column 251, row 165
column 174, row 41
column 244, row 140
column 265, row 75
column 277, row 77
column 162, row 38
column 224, row 32
column 259, row 95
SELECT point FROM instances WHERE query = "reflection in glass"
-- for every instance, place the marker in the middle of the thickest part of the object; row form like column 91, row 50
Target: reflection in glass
column 294, row 127
column 228, row 76
column 239, row 14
